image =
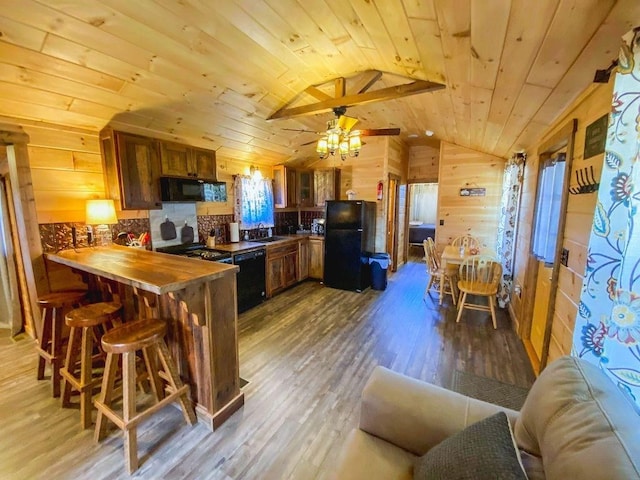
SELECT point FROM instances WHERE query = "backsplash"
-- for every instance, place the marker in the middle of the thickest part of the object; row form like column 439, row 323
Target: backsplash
column 177, row 218
column 57, row 236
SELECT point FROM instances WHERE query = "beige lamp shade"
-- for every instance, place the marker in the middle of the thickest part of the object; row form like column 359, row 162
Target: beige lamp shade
column 101, row 212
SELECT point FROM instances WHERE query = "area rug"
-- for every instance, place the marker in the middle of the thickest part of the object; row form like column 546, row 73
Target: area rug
column 489, row 390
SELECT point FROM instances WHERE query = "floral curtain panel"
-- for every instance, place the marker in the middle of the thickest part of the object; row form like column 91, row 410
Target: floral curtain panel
column 510, row 206
column 607, row 328
column 254, row 202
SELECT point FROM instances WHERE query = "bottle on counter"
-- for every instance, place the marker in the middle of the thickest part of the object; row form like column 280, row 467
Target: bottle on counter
column 246, row 235
column 270, row 232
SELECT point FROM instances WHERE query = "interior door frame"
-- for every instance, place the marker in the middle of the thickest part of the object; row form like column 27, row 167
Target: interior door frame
column 563, row 138
column 392, row 209
column 32, row 273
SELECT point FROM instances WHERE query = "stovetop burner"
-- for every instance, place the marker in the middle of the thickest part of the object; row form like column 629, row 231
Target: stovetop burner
column 195, row 250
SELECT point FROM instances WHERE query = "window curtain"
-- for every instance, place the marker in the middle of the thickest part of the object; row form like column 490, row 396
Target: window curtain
column 424, row 202
column 607, row 330
column 545, row 230
column 508, row 222
column 254, row 202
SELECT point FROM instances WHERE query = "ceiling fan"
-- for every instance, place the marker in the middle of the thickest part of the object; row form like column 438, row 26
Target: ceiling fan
column 339, row 136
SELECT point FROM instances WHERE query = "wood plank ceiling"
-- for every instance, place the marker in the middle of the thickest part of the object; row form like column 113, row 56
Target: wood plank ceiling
column 211, row 72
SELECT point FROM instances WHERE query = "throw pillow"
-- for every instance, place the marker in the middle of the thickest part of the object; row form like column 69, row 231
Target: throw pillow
column 484, row 450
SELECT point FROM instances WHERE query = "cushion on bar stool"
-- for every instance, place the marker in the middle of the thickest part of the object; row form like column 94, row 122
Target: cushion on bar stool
column 146, row 335
column 86, row 323
column 49, row 331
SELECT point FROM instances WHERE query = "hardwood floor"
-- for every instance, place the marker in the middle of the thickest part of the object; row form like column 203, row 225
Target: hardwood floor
column 306, row 354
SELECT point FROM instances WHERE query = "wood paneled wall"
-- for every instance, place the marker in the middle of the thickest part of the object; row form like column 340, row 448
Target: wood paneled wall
column 461, row 167
column 424, row 162
column 398, row 164
column 362, row 174
column 594, row 103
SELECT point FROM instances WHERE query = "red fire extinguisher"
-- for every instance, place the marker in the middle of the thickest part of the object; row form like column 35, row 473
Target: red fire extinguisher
column 380, row 187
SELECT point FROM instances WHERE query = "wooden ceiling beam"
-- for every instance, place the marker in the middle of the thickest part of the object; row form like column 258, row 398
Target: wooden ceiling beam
column 364, row 82
column 389, row 93
column 316, row 93
column 340, row 85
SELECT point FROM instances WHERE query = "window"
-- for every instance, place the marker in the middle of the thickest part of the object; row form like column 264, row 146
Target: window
column 548, row 209
column 254, row 202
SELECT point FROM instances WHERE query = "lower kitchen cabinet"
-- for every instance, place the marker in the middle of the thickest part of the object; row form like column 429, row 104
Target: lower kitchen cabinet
column 303, row 259
column 282, row 267
column 316, row 257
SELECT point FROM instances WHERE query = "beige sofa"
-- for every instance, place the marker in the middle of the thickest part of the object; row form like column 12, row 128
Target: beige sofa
column 574, row 424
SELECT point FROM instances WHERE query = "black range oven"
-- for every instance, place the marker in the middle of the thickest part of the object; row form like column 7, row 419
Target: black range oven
column 250, row 280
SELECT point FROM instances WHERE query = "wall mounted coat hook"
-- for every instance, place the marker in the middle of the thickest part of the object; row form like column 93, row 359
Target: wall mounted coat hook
column 586, row 182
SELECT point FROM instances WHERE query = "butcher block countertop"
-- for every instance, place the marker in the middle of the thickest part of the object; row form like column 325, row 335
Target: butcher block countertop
column 246, row 246
column 154, row 272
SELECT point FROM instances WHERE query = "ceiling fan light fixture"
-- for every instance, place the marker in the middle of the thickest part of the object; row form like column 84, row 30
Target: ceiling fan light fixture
column 355, row 144
column 322, row 148
column 333, row 140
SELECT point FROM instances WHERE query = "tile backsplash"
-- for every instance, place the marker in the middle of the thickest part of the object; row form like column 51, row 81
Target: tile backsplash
column 181, row 215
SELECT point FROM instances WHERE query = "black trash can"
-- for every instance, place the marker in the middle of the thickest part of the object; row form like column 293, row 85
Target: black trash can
column 379, row 263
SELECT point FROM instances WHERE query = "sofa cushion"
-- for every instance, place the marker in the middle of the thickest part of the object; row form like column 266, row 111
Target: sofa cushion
column 580, row 423
column 484, row 450
column 364, row 457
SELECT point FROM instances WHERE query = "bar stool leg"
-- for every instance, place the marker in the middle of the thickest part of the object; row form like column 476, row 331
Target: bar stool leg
column 129, row 410
column 106, row 394
column 151, row 365
column 86, row 385
column 56, row 351
column 44, row 337
column 175, row 382
column 73, row 352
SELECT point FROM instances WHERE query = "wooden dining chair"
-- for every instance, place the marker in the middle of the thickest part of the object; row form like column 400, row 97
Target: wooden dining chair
column 436, row 273
column 466, row 241
column 479, row 275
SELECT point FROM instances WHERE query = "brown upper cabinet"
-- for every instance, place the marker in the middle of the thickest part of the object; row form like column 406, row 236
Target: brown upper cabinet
column 284, row 187
column 184, row 161
column 326, row 185
column 305, row 188
column 131, row 169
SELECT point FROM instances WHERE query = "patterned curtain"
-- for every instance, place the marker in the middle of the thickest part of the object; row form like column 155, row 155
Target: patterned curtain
column 510, row 206
column 607, row 328
column 254, row 202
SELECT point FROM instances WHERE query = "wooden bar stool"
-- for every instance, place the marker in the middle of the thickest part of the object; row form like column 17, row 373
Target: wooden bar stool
column 87, row 323
column 146, row 335
column 49, row 332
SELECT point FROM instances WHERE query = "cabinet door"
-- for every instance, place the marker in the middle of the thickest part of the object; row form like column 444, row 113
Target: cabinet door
column 139, row 163
column 305, row 188
column 275, row 275
column 203, row 163
column 326, row 185
column 291, row 187
column 279, row 186
column 316, row 258
column 290, row 268
column 175, row 160
column 303, row 259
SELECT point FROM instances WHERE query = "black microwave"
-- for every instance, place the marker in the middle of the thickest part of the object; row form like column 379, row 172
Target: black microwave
column 190, row 190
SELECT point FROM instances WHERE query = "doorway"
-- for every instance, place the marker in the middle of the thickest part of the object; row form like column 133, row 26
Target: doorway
column 422, row 213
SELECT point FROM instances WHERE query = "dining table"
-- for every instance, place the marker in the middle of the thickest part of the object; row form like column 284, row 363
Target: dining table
column 454, row 255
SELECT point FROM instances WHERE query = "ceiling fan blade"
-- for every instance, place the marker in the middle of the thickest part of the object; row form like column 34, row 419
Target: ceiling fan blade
column 302, row 130
column 308, row 143
column 375, row 132
column 346, row 123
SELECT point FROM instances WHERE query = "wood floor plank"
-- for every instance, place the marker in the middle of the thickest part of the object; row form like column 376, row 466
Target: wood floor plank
column 306, row 353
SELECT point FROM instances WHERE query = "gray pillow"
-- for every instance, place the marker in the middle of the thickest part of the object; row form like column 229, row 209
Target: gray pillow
column 484, row 450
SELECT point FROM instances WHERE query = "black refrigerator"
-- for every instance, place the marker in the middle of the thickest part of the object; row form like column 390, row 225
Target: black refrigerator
column 349, row 239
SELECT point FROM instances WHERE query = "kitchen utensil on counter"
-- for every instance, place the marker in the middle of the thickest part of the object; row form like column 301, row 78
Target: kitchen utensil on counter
column 211, row 239
column 186, row 234
column 168, row 230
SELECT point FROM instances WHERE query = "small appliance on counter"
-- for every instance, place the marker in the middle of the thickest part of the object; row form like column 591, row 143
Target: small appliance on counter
column 317, row 226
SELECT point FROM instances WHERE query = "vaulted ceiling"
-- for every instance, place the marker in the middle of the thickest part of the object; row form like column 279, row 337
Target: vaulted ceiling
column 210, row 72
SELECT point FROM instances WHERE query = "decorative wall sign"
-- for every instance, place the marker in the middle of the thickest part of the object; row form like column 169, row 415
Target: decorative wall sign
column 472, row 192
column 595, row 137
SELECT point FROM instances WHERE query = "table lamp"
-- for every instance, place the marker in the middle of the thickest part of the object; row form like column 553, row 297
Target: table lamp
column 101, row 213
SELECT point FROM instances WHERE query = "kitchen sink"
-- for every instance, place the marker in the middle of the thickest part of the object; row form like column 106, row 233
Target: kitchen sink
column 268, row 239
